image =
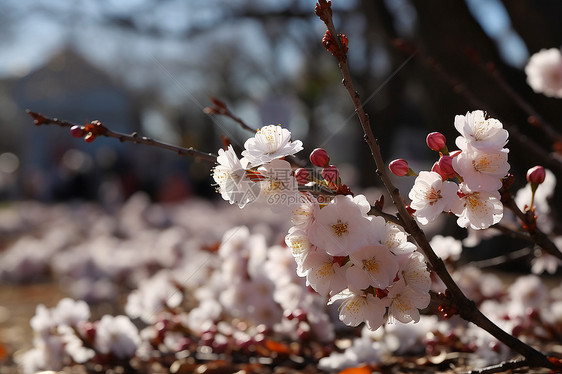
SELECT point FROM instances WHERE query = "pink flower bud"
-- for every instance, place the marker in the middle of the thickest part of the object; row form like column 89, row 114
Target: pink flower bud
column 437, row 169
column 436, row 141
column 536, row 175
column 319, row 157
column 77, row 131
column 446, row 166
column 302, row 176
column 399, row 167
column 330, row 173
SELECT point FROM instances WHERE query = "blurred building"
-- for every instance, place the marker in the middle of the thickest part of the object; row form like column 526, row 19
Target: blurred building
column 66, row 87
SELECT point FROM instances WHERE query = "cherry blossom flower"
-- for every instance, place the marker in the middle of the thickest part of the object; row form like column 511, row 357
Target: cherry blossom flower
column 406, row 302
column 70, row 312
column 323, row 274
column 484, row 134
column 413, row 269
column 42, row 322
column 482, row 170
column 74, row 346
column 544, row 262
column 152, row 297
column 394, row 238
column 478, row 285
column 478, row 209
column 544, row 72
column 340, row 227
column 358, row 307
column 303, row 214
column 204, row 315
column 430, row 196
column 300, row 246
column 373, row 265
column 117, row 335
column 233, row 183
column 269, row 143
column 446, row 247
column 279, row 188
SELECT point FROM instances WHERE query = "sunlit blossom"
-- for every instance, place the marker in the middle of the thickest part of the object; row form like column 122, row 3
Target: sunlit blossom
column 323, row 274
column 484, row 134
column 233, row 182
column 373, row 265
column 341, row 226
column 279, row 188
column 431, row 195
column 357, row 307
column 482, row 170
column 406, row 302
column 478, row 209
column 269, row 143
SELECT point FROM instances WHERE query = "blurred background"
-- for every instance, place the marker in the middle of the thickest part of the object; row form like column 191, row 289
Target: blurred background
column 151, row 65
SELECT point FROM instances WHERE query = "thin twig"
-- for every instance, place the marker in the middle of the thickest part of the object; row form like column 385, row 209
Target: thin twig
column 501, row 368
column 534, row 119
column 467, row 308
column 220, row 108
column 512, row 233
column 528, row 219
column 40, row 119
column 376, row 211
column 499, row 260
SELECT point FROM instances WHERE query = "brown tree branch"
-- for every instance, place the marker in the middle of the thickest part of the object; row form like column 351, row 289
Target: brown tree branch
column 511, row 233
column 467, row 308
column 220, row 108
column 40, row 119
column 529, row 221
column 376, row 211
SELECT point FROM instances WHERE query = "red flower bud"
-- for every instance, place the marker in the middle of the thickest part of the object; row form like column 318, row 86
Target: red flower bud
column 399, row 167
column 436, row 141
column 437, row 169
column 446, row 167
column 77, row 131
column 536, row 175
column 89, row 137
column 319, row 157
column 330, row 173
column 302, row 176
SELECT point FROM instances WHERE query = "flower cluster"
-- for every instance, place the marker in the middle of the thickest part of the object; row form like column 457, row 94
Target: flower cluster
column 362, row 261
column 479, row 165
column 261, row 172
column 64, row 335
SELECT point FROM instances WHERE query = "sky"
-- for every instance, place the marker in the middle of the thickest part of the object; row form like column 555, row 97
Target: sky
column 36, row 33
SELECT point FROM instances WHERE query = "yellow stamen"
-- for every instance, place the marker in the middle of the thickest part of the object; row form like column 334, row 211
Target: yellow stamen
column 340, row 228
